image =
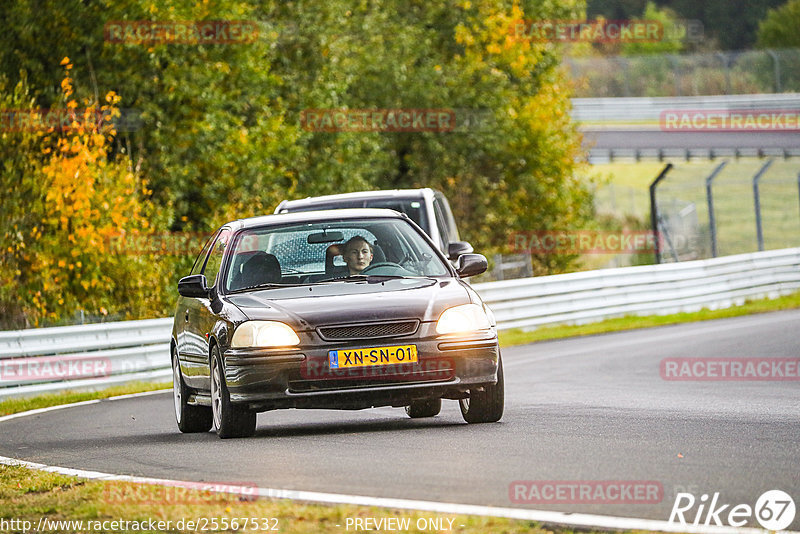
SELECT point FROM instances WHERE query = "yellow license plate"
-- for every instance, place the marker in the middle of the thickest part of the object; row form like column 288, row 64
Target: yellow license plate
column 340, row 359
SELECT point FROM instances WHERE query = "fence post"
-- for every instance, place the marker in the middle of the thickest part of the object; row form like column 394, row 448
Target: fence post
column 757, row 200
column 712, row 221
column 654, row 209
column 776, row 60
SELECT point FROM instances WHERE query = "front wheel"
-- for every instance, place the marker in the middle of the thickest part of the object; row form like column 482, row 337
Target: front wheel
column 231, row 421
column 190, row 418
column 485, row 406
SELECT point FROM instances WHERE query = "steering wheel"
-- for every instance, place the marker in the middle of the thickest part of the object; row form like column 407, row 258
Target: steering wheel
column 380, row 264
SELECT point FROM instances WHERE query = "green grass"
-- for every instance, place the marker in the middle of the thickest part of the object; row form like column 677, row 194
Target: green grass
column 28, row 495
column 10, row 406
column 520, row 337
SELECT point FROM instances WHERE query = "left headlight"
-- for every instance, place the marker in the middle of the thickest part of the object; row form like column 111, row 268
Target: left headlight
column 462, row 319
column 264, row 334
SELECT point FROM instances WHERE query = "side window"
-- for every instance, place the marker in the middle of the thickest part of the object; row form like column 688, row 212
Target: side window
column 441, row 224
column 197, row 268
column 452, row 229
column 214, row 261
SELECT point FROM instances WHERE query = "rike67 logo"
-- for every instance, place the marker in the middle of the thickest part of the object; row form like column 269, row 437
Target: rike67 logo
column 774, row 510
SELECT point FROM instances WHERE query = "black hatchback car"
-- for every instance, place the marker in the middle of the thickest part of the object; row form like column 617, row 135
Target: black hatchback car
column 343, row 309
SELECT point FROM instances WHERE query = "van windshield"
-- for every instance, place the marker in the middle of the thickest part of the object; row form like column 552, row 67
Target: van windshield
column 413, row 207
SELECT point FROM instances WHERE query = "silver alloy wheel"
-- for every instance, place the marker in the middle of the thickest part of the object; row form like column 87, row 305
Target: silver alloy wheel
column 216, row 396
column 176, row 389
column 464, row 404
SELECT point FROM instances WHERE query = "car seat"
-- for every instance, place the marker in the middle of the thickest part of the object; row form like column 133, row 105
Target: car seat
column 261, row 268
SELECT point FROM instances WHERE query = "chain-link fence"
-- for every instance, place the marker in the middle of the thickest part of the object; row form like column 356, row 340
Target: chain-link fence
column 700, row 218
column 739, row 72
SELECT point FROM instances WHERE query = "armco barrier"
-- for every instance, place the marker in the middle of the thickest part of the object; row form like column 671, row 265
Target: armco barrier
column 139, row 350
column 649, row 108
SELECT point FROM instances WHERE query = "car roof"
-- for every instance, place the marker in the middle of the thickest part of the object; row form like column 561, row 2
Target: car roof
column 359, row 195
column 315, row 216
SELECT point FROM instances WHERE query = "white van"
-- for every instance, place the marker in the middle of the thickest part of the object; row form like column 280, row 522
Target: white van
column 426, row 207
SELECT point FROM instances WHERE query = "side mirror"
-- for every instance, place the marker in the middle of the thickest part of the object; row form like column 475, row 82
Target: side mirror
column 193, row 286
column 457, row 248
column 471, row 264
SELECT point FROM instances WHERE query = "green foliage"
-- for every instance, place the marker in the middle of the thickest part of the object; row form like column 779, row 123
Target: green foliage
column 780, row 27
column 668, row 44
column 221, row 134
column 64, row 197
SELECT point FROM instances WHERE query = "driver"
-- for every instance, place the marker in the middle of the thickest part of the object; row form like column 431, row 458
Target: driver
column 357, row 254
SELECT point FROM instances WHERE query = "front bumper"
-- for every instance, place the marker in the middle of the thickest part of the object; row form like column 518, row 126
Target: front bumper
column 448, row 367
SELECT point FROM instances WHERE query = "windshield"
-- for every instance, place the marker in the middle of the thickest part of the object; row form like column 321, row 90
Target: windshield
column 330, row 251
column 413, row 207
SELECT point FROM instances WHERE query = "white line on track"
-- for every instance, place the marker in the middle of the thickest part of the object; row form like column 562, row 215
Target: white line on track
column 560, row 518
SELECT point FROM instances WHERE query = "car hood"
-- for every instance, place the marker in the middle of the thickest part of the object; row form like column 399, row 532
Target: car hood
column 353, row 302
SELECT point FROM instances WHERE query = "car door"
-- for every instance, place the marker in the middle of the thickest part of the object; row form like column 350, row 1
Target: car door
column 200, row 317
column 182, row 309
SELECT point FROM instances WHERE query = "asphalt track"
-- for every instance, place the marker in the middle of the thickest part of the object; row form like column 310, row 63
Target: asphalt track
column 656, row 139
column 593, row 408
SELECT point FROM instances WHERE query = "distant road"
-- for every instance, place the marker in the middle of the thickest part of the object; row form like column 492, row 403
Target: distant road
column 592, row 408
column 655, row 139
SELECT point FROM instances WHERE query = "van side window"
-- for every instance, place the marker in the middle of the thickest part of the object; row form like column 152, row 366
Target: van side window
column 452, row 229
column 441, row 224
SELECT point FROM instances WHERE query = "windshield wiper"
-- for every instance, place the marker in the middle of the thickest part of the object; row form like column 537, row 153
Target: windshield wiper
column 268, row 285
column 366, row 278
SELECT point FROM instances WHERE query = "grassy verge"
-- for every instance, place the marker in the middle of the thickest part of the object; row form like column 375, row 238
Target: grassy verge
column 10, row 406
column 520, row 337
column 28, row 495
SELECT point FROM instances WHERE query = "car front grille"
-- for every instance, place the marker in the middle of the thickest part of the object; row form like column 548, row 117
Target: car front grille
column 368, row 331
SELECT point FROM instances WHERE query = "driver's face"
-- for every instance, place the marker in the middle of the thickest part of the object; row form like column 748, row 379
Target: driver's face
column 357, row 257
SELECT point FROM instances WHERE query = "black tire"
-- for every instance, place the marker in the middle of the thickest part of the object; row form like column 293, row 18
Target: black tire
column 231, row 421
column 485, row 406
column 426, row 408
column 190, row 419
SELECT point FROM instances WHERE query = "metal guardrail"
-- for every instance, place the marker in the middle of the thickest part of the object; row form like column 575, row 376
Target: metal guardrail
column 113, row 353
column 644, row 290
column 45, row 360
column 650, row 108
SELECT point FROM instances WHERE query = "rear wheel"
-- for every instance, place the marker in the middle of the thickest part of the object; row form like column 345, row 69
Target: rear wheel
column 231, row 421
column 190, row 418
column 485, row 406
column 426, row 408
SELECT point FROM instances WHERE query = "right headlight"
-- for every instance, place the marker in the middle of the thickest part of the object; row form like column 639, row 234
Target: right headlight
column 264, row 334
column 462, row 319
